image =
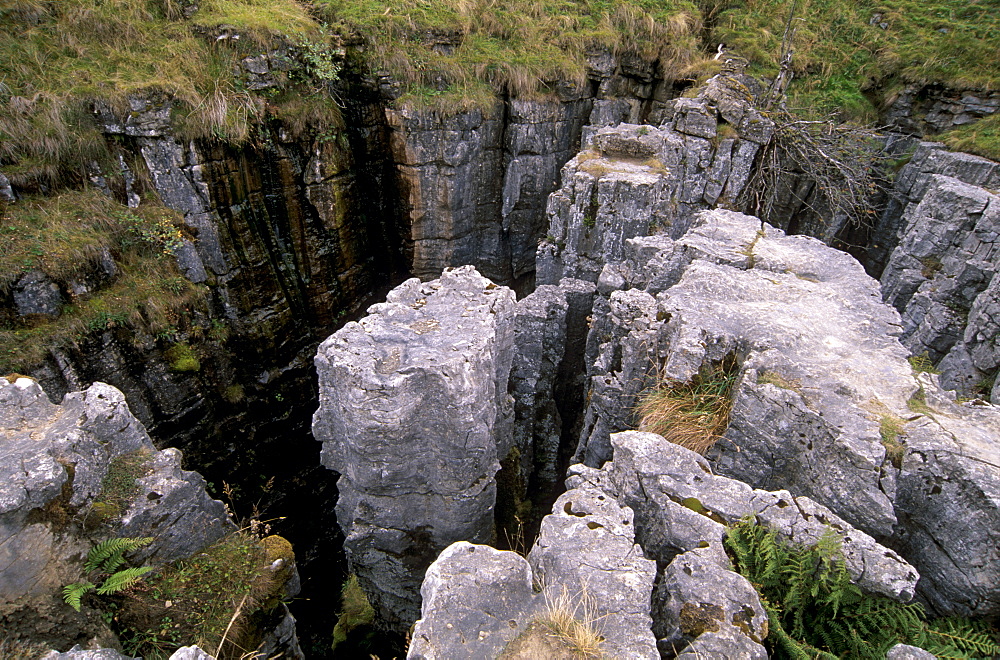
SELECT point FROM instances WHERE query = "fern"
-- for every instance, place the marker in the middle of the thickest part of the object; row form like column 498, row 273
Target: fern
column 122, row 580
column 72, row 593
column 815, row 611
column 108, row 555
column 959, row 639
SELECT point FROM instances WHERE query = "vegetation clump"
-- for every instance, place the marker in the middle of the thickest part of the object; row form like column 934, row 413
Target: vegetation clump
column 119, row 486
column 356, row 613
column 815, row 611
column 692, row 414
column 105, row 560
column 207, row 600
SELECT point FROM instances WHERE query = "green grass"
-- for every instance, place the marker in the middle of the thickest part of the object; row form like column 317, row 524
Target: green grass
column 65, row 235
column 460, row 51
column 119, row 487
column 193, row 601
column 839, row 52
column 356, row 613
column 981, row 138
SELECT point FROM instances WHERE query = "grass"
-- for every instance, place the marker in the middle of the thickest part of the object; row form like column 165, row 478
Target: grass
column 460, row 51
column 981, row 138
column 891, row 428
column 921, row 364
column 844, row 59
column 574, row 622
column 692, row 414
column 72, row 235
column 205, row 600
column 119, row 487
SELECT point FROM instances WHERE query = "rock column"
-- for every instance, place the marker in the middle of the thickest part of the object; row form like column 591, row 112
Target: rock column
column 414, row 414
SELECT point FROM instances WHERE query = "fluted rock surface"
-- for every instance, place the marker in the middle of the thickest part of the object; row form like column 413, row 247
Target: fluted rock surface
column 414, row 414
column 942, row 273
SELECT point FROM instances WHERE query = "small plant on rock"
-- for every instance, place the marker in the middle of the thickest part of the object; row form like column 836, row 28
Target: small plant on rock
column 106, row 559
column 692, row 414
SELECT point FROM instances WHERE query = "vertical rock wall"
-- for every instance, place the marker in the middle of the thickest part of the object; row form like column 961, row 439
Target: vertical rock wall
column 943, row 264
column 414, row 414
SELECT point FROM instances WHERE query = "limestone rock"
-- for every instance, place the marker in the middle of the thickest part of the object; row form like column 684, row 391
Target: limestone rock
column 907, row 652
column 36, row 293
column 818, row 372
column 477, row 600
column 55, row 459
column 414, row 414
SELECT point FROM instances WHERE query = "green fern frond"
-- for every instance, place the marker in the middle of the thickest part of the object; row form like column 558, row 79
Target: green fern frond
column 959, row 638
column 109, row 555
column 123, row 580
column 72, row 593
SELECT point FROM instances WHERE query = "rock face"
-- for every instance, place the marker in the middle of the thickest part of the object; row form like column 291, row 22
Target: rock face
column 635, row 180
column 415, row 416
column 478, row 600
column 474, row 185
column 929, row 109
column 818, row 372
column 941, row 274
column 56, row 466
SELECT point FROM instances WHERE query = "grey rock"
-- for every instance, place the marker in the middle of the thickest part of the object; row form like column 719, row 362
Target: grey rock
column 414, row 414
column 477, row 599
column 63, row 452
column 191, row 653
column 700, row 601
column 949, row 477
column 36, row 293
column 6, row 192
column 907, row 652
column 78, row 653
column 928, row 109
column 681, row 506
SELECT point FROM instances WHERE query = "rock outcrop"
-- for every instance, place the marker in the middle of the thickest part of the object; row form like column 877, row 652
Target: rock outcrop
column 635, row 180
column 941, row 274
column 818, row 375
column 77, row 473
column 415, row 417
column 932, row 108
column 585, row 565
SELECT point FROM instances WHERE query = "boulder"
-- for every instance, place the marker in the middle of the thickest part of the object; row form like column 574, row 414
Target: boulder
column 584, row 565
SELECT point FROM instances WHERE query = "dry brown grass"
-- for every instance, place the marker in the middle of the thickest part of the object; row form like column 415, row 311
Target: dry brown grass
column 691, row 414
column 574, row 621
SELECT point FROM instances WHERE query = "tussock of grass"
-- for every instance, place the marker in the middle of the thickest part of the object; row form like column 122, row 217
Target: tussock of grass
column 921, row 364
column 776, row 379
column 693, row 414
column 840, row 47
column 575, row 622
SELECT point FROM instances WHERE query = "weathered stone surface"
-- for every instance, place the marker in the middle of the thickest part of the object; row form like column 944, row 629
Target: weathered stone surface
column 477, row 599
column 53, row 463
column 682, row 506
column 791, row 307
column 35, row 293
column 941, row 275
column 474, row 184
column 635, row 180
column 907, row 652
column 414, row 414
column 547, row 375
column 948, row 502
column 700, row 600
column 931, row 108
column 77, row 653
